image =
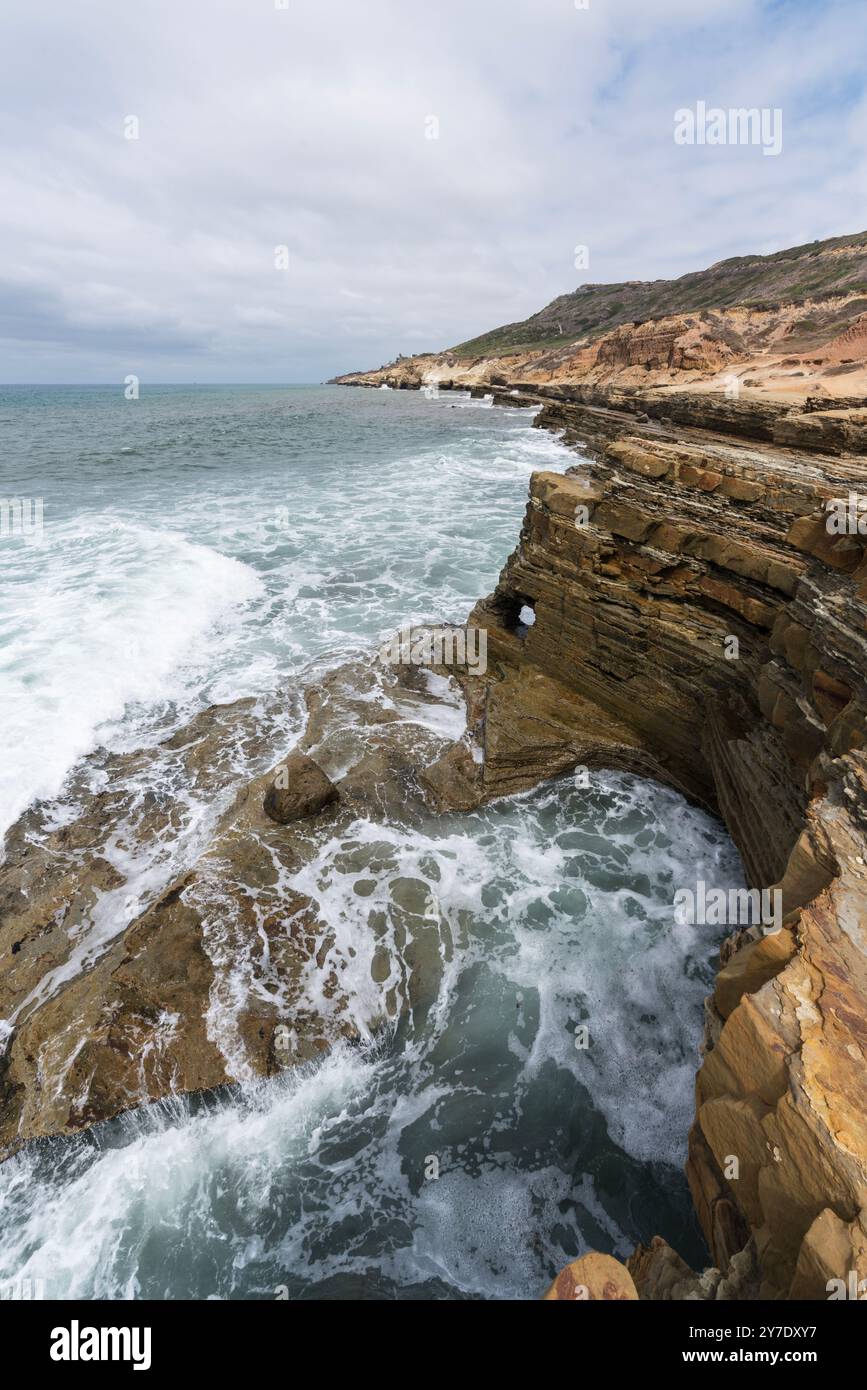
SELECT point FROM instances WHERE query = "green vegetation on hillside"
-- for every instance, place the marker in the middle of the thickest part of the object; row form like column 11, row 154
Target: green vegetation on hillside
column 815, row 271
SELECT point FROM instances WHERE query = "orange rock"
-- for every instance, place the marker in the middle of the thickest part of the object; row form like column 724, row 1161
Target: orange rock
column 591, row 1278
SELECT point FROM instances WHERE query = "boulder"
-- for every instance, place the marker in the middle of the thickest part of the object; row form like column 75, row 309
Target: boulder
column 299, row 789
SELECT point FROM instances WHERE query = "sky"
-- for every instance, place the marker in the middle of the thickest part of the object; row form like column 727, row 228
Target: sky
column 319, row 185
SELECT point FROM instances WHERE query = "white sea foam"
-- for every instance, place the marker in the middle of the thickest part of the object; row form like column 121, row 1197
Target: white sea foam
column 106, row 617
column 178, row 592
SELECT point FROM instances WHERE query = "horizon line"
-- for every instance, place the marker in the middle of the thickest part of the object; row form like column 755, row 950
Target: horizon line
column 120, row 384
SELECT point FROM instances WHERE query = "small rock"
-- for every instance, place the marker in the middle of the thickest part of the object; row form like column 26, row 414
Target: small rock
column 593, row 1277
column 300, row 788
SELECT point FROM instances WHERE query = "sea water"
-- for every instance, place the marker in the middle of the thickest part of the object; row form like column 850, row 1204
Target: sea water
column 199, row 545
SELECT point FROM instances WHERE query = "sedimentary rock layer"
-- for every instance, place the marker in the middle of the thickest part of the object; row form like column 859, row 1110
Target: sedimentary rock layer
column 790, row 324
column 694, row 615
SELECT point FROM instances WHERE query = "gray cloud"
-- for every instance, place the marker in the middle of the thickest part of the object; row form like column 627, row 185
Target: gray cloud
column 305, row 127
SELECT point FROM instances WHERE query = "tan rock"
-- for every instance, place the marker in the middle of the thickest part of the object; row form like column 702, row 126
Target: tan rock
column 592, row 1278
column 209, row 983
column 751, row 967
column 832, row 1261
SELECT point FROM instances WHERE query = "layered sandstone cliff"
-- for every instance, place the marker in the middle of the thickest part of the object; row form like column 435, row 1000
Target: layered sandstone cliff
column 695, row 618
column 704, row 354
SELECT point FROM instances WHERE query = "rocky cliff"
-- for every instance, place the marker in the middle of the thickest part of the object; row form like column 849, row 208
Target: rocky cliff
column 696, row 618
column 804, row 294
column 699, row 618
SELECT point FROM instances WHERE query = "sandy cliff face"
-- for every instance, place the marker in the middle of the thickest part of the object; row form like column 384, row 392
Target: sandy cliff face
column 739, row 349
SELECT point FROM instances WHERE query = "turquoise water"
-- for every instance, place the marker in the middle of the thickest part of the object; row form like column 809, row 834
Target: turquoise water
column 203, row 544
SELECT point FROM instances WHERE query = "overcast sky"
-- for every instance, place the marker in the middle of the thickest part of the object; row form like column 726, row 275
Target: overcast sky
column 307, row 127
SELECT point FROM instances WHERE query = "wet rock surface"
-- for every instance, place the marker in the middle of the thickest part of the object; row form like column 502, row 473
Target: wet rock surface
column 223, row 973
column 299, row 789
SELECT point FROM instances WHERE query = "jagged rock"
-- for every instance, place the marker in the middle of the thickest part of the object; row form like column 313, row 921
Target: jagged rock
column 456, row 780
column 661, row 1275
column 592, row 1278
column 299, row 788
column 750, row 967
column 659, row 1272
column 532, row 727
column 830, row 1247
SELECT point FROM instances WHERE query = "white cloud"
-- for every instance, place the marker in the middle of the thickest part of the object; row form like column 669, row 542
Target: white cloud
column 306, row 127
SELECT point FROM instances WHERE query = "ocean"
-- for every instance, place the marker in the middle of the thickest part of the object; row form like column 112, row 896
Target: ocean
column 203, row 544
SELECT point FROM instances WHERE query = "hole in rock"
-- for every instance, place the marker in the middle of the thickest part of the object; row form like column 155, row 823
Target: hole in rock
column 526, row 619
column 517, row 612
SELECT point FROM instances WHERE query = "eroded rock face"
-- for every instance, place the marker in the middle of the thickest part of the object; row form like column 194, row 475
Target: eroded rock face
column 693, row 610
column 661, row 1275
column 529, row 726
